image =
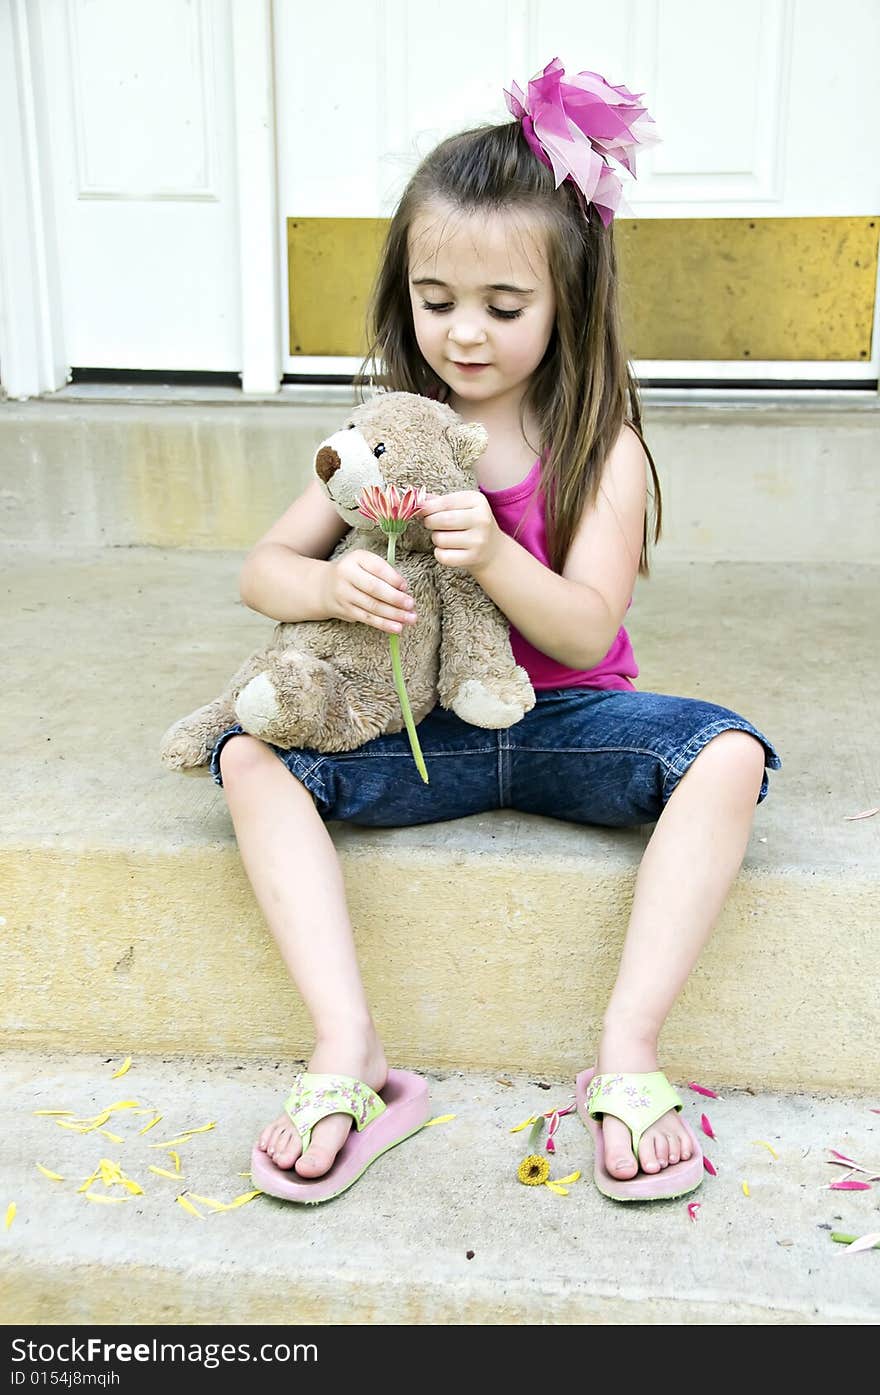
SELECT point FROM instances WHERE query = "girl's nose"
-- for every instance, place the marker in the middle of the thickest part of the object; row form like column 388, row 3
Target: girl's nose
column 464, row 333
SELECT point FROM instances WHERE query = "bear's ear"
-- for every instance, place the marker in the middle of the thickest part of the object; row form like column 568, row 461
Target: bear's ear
column 468, row 440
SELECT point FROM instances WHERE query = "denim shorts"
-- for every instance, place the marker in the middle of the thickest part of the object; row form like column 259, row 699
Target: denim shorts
column 586, row 755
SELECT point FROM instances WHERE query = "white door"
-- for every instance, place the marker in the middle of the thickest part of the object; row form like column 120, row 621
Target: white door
column 767, row 108
column 140, row 112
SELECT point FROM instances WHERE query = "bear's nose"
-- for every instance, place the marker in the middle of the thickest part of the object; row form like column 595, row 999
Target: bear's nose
column 327, row 462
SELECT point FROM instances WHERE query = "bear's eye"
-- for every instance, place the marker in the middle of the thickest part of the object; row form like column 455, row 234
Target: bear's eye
column 379, row 450
column 350, row 426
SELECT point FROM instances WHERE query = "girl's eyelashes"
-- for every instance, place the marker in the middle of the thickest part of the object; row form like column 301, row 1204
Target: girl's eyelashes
column 493, row 310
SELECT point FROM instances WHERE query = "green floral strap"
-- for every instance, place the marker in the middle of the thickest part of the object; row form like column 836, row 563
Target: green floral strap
column 314, row 1097
column 638, row 1100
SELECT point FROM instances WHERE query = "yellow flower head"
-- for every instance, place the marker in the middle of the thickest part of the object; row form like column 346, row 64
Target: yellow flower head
column 533, row 1171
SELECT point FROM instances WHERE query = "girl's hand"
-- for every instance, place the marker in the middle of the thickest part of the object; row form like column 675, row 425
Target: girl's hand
column 463, row 529
column 362, row 586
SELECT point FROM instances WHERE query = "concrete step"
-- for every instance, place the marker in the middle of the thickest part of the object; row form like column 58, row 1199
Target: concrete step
column 128, row 916
column 439, row 1230
column 740, row 482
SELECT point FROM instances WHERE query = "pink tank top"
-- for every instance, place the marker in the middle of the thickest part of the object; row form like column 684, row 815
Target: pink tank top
column 618, row 667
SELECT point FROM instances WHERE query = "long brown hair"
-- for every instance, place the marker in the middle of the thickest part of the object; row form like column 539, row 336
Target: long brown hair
column 583, row 390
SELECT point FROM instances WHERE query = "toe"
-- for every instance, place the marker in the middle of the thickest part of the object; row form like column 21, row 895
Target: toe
column 648, row 1154
column 287, row 1148
column 674, row 1147
column 619, row 1157
column 327, row 1138
column 661, row 1148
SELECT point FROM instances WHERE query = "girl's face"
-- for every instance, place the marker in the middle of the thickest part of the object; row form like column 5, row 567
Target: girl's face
column 483, row 303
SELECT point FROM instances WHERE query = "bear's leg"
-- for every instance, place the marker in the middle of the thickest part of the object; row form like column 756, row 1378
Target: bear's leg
column 299, row 700
column 479, row 679
column 187, row 745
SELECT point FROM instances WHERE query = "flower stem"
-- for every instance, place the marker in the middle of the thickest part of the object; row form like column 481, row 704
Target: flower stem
column 394, row 642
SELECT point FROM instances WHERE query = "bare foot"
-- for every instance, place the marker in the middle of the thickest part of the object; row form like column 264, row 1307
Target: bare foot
column 666, row 1141
column 362, row 1058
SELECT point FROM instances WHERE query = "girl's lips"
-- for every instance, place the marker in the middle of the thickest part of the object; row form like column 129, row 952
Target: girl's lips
column 470, row 367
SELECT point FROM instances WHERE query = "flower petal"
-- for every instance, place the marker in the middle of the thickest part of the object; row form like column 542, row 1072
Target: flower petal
column 528, row 1122
column 108, row 1200
column 53, row 1111
column 151, row 1125
column 163, row 1172
column 441, row 1119
column 114, row 1137
column 866, row 814
column 710, row 1168
column 564, row 1181
column 208, row 1201
column 864, row 1242
column 175, row 1158
column 849, row 1187
column 187, row 1206
column 243, row 1199
column 759, row 1143
column 706, row 1126
column 746, row 1191
column 10, row 1215
column 126, row 1065
column 842, row 1156
column 693, row 1208
column 702, row 1090
column 53, row 1176
column 555, row 1187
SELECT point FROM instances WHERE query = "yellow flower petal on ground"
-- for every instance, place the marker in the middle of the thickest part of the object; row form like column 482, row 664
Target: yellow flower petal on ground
column 183, row 1137
column 555, row 1187
column 89, row 1180
column 209, row 1201
column 122, row 1104
column 110, row 1171
column 10, row 1215
column 75, row 1128
column 242, row 1200
column 533, row 1170
column 563, row 1181
column 746, row 1191
column 151, row 1125
column 113, row 1137
column 53, row 1111
column 130, row 1185
column 182, row 1201
column 759, row 1142
column 108, row 1200
column 122, row 1069
column 163, row 1172
column 517, row 1128
column 175, row 1157
column 53, row 1176
column 441, row 1119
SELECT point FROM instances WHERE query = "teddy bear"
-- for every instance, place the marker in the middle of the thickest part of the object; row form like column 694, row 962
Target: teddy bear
column 328, row 684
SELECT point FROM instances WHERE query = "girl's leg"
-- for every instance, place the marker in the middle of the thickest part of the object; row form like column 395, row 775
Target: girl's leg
column 295, row 873
column 686, row 872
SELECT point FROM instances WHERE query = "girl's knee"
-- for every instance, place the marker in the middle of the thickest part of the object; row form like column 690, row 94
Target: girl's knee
column 737, row 755
column 242, row 754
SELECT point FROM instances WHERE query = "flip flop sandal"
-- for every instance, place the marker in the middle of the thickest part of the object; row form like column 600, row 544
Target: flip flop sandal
column 382, row 1120
column 638, row 1100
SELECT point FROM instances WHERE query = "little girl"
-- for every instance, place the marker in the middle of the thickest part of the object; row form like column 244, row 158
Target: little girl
column 497, row 292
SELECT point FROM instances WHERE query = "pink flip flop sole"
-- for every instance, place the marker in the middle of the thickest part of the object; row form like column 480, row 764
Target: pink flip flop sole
column 408, row 1106
column 673, row 1181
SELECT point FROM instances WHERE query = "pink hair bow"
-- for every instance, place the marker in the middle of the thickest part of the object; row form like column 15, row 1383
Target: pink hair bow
column 576, row 126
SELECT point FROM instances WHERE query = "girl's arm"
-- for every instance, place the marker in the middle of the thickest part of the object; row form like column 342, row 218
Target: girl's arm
column 284, row 574
column 575, row 617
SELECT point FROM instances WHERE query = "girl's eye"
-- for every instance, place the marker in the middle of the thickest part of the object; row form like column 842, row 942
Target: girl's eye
column 493, row 310
column 379, row 450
